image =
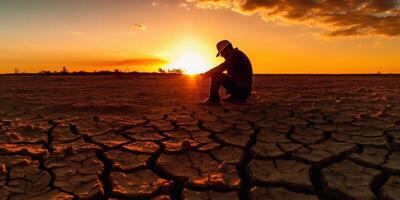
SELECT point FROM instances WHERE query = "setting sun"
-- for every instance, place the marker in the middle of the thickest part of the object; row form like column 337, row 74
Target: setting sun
column 191, row 63
column 191, row 55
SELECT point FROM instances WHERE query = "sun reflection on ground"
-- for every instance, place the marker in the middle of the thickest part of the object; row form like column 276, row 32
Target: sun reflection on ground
column 192, row 81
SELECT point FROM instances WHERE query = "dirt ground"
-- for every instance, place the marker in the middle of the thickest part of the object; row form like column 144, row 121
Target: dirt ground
column 145, row 137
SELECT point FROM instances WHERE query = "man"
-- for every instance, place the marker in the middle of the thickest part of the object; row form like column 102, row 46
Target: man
column 239, row 78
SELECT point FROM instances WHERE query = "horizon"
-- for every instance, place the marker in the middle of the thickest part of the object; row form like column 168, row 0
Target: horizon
column 116, row 71
column 279, row 38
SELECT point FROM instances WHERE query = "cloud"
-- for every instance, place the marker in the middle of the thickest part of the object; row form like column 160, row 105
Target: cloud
column 338, row 17
column 165, row 3
column 75, row 32
column 140, row 26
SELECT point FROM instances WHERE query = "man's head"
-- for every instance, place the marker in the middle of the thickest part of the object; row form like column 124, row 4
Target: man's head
column 224, row 48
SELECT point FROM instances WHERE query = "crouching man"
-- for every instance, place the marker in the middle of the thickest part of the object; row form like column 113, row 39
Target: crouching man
column 237, row 80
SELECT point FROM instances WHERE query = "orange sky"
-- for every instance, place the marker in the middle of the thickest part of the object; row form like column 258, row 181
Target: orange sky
column 280, row 37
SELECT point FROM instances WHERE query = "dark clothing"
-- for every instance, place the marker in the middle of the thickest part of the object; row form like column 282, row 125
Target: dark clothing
column 239, row 78
column 240, row 69
column 227, row 82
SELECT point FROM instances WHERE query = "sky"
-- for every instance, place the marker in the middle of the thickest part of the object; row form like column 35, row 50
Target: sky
column 279, row 36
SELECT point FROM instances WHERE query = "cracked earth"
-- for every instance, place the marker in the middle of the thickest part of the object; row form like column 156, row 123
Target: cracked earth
column 144, row 137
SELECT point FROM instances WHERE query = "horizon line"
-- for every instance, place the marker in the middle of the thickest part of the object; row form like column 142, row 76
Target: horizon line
column 80, row 73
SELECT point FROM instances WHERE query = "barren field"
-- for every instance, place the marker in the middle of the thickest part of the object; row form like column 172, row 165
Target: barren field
column 145, row 137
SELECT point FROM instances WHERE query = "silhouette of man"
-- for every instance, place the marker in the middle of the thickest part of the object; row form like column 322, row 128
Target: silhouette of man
column 237, row 81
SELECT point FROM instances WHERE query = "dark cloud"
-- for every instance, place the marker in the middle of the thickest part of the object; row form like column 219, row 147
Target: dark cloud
column 140, row 26
column 338, row 17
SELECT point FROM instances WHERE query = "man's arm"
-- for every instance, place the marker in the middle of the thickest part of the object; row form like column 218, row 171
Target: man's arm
column 218, row 69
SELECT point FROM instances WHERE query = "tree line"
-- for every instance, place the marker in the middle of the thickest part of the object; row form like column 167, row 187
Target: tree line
column 64, row 71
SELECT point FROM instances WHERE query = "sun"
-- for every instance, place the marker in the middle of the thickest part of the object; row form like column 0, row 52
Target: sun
column 191, row 55
column 191, row 63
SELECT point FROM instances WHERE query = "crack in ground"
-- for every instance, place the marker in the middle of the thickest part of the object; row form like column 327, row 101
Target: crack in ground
column 51, row 184
column 152, row 165
column 245, row 184
column 289, row 134
column 43, row 167
column 50, row 139
column 105, row 175
column 377, row 184
column 391, row 141
column 8, row 176
column 211, row 135
column 316, row 180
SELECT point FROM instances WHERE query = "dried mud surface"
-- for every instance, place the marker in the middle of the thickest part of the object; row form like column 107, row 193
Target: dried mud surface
column 145, row 137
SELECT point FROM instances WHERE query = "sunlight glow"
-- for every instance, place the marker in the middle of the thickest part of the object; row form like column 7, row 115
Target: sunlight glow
column 191, row 63
column 191, row 55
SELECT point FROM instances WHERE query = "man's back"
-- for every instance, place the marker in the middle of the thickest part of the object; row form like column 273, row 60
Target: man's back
column 240, row 69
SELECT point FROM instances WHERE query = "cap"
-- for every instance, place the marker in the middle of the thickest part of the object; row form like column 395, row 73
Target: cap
column 222, row 45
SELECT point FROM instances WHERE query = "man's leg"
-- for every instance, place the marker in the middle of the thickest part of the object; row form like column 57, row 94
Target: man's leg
column 237, row 94
column 216, row 81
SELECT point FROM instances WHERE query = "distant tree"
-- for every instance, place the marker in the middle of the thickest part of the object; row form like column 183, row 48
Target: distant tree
column 175, row 71
column 16, row 71
column 80, row 72
column 64, row 70
column 161, row 70
column 45, row 72
column 170, row 71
